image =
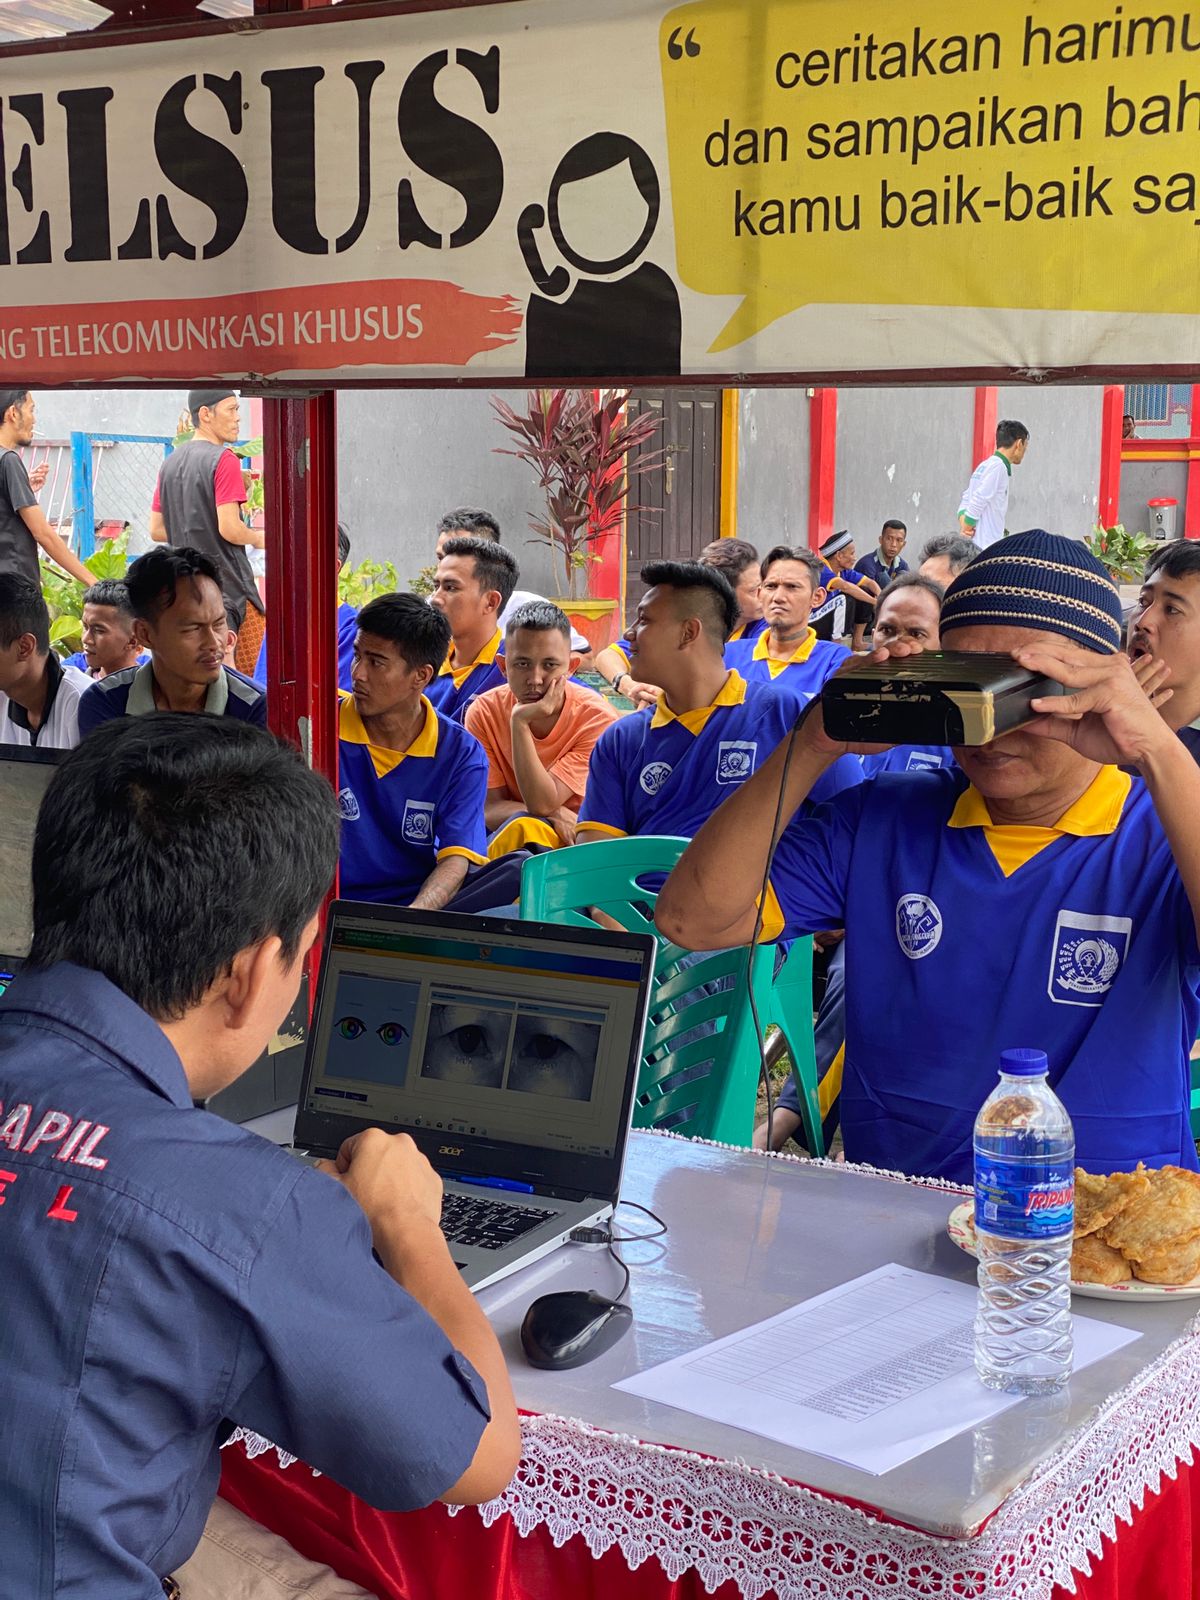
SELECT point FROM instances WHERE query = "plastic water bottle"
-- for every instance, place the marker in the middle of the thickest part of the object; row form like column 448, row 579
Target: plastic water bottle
column 1024, row 1220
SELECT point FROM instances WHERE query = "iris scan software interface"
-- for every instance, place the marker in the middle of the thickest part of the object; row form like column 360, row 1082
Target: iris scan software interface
column 520, row 1040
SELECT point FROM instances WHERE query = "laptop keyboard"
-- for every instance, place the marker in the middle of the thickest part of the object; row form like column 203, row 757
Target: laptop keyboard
column 487, row 1224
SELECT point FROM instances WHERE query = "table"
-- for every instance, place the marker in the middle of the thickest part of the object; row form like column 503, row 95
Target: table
column 1018, row 1507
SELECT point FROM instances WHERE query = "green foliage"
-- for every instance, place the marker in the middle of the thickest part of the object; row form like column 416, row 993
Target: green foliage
column 357, row 585
column 586, row 455
column 64, row 597
column 1124, row 554
column 422, row 584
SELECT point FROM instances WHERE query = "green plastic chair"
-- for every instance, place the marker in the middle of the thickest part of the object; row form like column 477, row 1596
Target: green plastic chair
column 703, row 1087
column 791, row 1011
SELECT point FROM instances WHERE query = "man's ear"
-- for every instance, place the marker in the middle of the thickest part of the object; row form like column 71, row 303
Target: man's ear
column 820, row 595
column 253, row 970
column 141, row 633
column 426, row 674
column 494, row 600
column 27, row 646
column 501, row 662
column 572, row 664
column 690, row 630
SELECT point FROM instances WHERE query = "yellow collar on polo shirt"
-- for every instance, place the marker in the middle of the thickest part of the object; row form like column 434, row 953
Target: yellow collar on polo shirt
column 733, row 693
column 383, row 759
column 801, row 653
column 484, row 659
column 1096, row 813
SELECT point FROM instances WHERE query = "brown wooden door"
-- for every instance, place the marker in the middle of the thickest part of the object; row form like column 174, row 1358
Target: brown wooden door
column 676, row 508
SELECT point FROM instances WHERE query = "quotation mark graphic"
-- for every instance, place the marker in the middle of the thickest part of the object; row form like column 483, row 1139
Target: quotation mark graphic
column 689, row 47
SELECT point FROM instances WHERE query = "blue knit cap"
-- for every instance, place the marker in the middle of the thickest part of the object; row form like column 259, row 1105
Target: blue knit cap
column 1038, row 580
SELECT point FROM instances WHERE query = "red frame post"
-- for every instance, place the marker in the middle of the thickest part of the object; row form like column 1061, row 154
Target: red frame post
column 983, row 429
column 822, row 464
column 1191, row 510
column 1108, row 507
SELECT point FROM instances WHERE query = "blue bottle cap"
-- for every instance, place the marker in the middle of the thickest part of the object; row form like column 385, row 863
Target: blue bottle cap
column 1023, row 1063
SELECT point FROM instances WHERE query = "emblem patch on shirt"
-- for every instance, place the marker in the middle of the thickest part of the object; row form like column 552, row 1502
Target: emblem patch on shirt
column 417, row 826
column 348, row 805
column 922, row 761
column 1086, row 957
column 735, row 760
column 654, row 776
column 918, row 925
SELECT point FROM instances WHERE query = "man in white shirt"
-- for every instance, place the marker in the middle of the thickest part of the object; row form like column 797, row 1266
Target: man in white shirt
column 39, row 696
column 981, row 516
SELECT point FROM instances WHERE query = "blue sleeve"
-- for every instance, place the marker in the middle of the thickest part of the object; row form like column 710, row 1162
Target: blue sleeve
column 604, row 797
column 343, row 1368
column 77, row 660
column 347, row 633
column 95, row 707
column 845, row 773
column 260, row 666
column 811, row 870
column 460, row 825
column 739, row 653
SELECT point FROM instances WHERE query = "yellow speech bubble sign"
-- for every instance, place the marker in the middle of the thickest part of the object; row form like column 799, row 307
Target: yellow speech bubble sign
column 1020, row 155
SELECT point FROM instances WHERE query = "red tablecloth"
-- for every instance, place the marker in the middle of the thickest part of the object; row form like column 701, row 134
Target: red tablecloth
column 430, row 1555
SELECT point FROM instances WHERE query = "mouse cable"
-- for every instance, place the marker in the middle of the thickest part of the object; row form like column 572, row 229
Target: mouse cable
column 764, row 1074
column 608, row 1238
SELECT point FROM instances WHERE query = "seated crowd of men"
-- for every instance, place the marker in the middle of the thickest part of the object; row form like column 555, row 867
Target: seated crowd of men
column 1038, row 891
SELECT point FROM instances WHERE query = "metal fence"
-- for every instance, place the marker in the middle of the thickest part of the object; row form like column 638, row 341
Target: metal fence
column 99, row 485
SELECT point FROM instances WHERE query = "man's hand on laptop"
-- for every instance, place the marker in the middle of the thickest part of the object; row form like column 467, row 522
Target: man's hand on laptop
column 396, row 1187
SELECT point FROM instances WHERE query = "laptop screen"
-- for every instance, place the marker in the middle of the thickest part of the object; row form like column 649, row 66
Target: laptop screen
column 494, row 1033
column 24, row 777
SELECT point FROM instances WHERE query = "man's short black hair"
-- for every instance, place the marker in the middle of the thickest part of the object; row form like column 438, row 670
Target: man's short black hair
column 1178, row 558
column 542, row 616
column 914, row 580
column 343, row 544
column 418, row 630
column 1010, row 433
column 793, row 552
column 958, row 550
column 112, row 592
column 9, row 398
column 712, row 592
column 470, row 520
column 730, row 556
column 22, row 610
column 153, row 579
column 894, row 522
column 168, row 843
column 495, row 567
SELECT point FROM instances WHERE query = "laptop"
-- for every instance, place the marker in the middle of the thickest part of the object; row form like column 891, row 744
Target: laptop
column 509, row 1050
column 25, row 773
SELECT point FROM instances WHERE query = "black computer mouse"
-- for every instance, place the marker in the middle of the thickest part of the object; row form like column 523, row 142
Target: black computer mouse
column 573, row 1327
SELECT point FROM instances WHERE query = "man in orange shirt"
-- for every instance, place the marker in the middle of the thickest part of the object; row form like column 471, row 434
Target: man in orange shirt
column 538, row 730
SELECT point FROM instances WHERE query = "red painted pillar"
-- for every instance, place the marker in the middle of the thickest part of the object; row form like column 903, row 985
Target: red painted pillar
column 983, row 430
column 1191, row 510
column 822, row 464
column 605, row 578
column 1108, row 509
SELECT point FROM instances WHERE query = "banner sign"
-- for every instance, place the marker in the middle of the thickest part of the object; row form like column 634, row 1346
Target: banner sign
column 605, row 189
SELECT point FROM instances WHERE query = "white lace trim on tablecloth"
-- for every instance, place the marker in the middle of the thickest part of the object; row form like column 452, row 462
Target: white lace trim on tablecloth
column 733, row 1522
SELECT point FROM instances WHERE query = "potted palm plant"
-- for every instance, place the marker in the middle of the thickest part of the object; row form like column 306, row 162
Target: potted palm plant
column 586, row 452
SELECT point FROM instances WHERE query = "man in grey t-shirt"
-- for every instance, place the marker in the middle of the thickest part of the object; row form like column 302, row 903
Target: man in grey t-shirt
column 23, row 525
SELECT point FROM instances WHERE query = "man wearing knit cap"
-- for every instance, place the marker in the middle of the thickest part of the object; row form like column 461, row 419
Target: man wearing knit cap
column 1038, row 895
column 198, row 502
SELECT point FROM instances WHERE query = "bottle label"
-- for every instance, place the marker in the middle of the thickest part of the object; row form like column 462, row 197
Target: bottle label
column 1016, row 1209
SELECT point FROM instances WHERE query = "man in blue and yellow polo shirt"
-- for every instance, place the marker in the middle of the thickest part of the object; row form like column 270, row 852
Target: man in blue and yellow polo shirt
column 664, row 771
column 1039, row 896
column 475, row 580
column 413, row 783
column 788, row 651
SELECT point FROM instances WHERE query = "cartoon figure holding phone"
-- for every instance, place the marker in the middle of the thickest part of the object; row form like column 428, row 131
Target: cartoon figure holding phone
column 629, row 327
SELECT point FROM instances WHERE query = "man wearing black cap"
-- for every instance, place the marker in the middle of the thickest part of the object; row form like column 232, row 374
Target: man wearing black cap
column 198, row 502
column 23, row 525
column 1036, row 894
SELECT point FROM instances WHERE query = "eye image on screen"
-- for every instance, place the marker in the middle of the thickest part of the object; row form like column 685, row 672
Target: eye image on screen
column 554, row 1056
column 372, row 1028
column 467, row 1044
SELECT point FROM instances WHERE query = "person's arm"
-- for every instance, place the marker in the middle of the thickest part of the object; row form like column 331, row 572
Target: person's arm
column 1112, row 716
column 839, row 585
column 499, row 807
column 979, row 493
column 401, row 1195
column 613, row 665
column 870, row 585
column 234, row 531
column 53, row 545
column 541, row 791
column 442, row 884
column 158, row 528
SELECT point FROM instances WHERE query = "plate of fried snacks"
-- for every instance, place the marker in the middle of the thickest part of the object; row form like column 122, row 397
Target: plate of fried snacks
column 1137, row 1234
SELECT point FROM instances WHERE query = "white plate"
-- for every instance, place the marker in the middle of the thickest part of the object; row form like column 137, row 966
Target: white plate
column 961, row 1228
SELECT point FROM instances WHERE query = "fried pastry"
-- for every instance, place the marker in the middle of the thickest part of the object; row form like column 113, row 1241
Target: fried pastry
column 1166, row 1213
column 1177, row 1264
column 1093, row 1261
column 1099, row 1197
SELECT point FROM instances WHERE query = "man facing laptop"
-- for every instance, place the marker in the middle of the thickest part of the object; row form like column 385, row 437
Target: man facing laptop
column 178, row 867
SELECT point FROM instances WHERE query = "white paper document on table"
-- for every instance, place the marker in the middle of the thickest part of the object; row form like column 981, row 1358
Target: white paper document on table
column 871, row 1373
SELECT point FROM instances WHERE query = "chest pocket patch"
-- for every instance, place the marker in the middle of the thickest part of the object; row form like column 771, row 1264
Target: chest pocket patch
column 417, row 825
column 735, row 760
column 348, row 805
column 1087, row 954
